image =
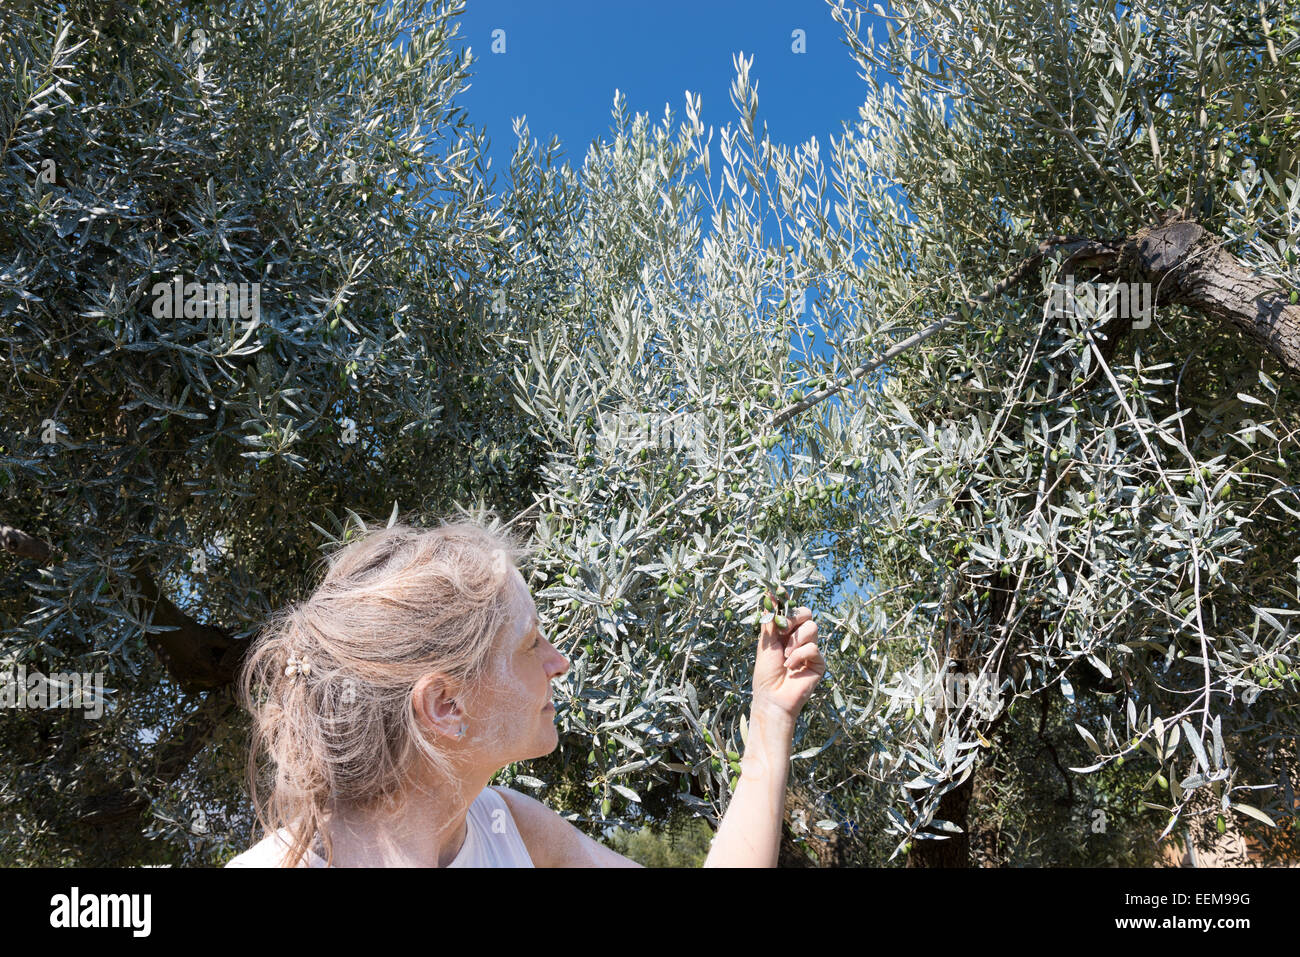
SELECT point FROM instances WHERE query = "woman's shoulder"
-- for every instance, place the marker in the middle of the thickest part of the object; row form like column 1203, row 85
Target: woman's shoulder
column 542, row 832
column 501, row 839
column 551, row 841
column 270, row 852
column 521, row 809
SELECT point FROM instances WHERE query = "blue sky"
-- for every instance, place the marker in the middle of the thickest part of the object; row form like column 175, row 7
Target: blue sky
column 563, row 61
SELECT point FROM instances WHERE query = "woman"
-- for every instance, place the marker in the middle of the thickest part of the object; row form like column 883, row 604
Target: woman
column 387, row 700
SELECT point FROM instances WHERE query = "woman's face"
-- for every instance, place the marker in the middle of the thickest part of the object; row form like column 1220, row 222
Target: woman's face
column 509, row 716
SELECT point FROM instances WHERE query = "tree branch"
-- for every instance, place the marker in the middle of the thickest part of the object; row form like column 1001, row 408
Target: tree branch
column 1185, row 265
column 22, row 544
column 1189, row 267
column 198, row 657
column 1011, row 279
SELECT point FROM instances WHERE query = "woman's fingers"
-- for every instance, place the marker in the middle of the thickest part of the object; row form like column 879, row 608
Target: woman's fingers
column 803, row 634
column 797, row 616
column 805, row 656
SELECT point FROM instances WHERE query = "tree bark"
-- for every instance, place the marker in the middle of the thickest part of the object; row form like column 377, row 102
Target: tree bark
column 200, row 657
column 954, row 805
column 949, row 850
column 25, row 546
column 1185, row 266
column 954, row 851
column 1188, row 267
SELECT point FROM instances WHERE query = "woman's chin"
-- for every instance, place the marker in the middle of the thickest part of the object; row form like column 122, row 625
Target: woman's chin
column 549, row 740
column 553, row 735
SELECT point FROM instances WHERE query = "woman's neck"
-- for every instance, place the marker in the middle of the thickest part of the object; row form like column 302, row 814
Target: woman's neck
column 427, row 829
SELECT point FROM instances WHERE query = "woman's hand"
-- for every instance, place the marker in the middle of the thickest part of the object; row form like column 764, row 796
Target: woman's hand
column 788, row 664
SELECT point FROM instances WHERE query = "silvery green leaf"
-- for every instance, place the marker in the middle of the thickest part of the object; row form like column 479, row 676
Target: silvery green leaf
column 1100, row 665
column 922, row 782
column 1254, row 812
column 1194, row 742
column 1087, row 736
column 947, row 826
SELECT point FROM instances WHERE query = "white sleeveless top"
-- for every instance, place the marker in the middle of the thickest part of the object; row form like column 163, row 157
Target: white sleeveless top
column 491, row 840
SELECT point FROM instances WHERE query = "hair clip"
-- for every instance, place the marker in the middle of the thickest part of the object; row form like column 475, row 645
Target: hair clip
column 296, row 667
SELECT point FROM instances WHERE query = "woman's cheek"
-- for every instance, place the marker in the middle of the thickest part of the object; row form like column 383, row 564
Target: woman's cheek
column 510, row 701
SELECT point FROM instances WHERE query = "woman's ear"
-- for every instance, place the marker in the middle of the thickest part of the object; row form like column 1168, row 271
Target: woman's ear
column 438, row 707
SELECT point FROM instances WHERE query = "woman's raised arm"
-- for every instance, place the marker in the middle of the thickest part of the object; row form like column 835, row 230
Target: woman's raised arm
column 787, row 668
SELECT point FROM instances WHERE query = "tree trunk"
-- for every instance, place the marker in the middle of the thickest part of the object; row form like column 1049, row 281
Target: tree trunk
column 955, row 850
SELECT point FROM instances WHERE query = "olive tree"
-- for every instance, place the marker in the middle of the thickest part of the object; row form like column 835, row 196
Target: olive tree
column 1045, row 493
column 244, row 289
column 1082, row 494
